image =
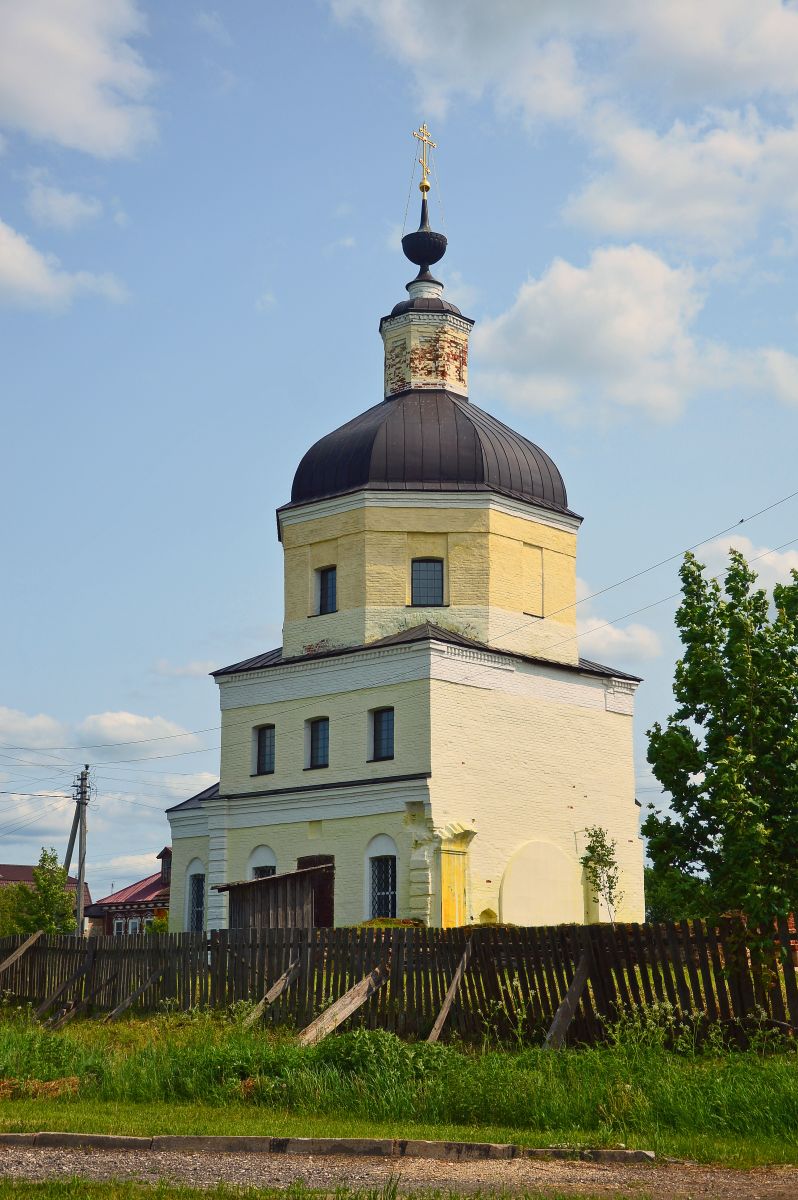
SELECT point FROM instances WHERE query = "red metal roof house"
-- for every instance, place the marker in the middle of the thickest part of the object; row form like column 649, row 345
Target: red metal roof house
column 131, row 908
column 11, row 873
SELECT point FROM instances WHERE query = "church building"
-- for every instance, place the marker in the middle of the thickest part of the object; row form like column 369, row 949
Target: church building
column 427, row 726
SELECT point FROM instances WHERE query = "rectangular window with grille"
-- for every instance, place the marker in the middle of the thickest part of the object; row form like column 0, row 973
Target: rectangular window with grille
column 263, row 872
column 426, row 582
column 383, row 733
column 328, row 599
column 319, row 742
column 264, row 764
column 383, row 886
column 196, row 903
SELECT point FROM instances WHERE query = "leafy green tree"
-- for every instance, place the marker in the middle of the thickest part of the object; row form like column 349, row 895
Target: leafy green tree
column 672, row 895
column 728, row 755
column 46, row 906
column 600, row 863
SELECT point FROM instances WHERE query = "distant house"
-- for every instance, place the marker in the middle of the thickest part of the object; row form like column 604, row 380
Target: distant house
column 132, row 908
column 11, row 873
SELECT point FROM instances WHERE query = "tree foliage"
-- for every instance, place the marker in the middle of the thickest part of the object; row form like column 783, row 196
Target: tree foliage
column 600, row 862
column 728, row 755
column 46, row 906
column 673, row 895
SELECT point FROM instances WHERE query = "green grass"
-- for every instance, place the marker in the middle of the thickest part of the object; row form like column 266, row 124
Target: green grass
column 81, row 1189
column 203, row 1074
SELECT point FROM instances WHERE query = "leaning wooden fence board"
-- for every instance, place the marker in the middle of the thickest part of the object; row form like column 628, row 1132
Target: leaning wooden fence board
column 337, row 1013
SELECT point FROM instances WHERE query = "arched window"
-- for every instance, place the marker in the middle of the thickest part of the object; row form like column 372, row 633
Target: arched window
column 381, row 861
column 195, row 896
column 261, row 863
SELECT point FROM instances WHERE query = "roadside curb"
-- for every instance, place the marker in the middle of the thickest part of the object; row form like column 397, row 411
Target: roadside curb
column 393, row 1148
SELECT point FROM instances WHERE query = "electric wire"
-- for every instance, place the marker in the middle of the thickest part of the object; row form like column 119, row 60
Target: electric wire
column 600, row 592
column 409, row 190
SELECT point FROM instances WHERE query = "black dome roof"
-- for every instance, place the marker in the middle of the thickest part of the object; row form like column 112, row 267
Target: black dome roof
column 432, row 441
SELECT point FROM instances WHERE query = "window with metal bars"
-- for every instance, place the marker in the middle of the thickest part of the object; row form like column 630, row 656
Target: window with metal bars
column 328, row 599
column 264, row 758
column 382, row 729
column 426, row 582
column 319, row 755
column 263, row 872
column 196, row 903
column 383, row 886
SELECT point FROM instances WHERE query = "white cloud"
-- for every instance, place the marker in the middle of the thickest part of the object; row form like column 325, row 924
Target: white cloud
column 547, row 58
column 37, row 820
column 110, row 727
column 613, row 333
column 642, row 83
column 127, row 826
column 32, row 279
column 708, row 50
column 708, row 183
column 631, row 643
column 509, row 48
column 196, row 669
column 779, row 373
column 137, row 866
column 69, row 74
column 212, row 24
column 19, row 729
column 772, row 566
column 49, row 205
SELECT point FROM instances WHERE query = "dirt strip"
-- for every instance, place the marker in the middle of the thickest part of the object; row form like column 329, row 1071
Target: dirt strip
column 663, row 1181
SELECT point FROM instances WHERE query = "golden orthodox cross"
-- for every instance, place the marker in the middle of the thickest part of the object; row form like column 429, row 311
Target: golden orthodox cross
column 426, row 144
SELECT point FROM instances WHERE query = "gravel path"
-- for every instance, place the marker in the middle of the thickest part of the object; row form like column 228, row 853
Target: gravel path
column 663, row 1181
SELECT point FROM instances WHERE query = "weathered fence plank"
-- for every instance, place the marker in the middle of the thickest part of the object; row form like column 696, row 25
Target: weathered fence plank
column 565, row 1013
column 17, row 954
column 343, row 1008
column 440, row 1020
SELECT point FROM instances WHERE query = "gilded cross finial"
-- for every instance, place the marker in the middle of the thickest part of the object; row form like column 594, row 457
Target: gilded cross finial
column 426, row 144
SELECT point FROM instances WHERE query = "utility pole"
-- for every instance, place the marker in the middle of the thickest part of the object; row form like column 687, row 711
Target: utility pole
column 81, row 790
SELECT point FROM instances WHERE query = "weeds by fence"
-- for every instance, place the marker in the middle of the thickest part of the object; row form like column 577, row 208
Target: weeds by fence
column 512, row 987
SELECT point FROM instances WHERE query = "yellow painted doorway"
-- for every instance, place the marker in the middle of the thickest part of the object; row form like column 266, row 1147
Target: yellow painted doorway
column 453, row 888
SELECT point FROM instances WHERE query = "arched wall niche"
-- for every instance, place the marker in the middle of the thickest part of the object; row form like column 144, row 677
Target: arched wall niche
column 542, row 885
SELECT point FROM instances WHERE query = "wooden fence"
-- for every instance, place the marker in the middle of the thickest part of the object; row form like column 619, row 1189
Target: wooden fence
column 514, row 983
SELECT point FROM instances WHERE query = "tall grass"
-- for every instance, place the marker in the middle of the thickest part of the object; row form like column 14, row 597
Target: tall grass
column 634, row 1085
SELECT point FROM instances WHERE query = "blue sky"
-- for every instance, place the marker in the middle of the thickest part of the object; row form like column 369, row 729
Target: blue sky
column 200, row 210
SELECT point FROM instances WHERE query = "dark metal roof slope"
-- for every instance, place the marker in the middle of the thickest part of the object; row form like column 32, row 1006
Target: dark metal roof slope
column 428, row 441
column 425, row 304
column 426, row 632
column 196, row 801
